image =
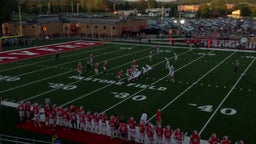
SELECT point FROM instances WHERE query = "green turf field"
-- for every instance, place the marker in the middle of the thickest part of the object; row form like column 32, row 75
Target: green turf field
column 207, row 94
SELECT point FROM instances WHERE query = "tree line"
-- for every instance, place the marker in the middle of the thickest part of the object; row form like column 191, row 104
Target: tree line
column 208, row 8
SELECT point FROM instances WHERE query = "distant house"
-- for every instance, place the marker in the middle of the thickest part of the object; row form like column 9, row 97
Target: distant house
column 235, row 14
column 158, row 12
column 126, row 12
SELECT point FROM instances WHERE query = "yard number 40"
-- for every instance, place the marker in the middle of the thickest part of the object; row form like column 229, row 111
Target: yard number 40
column 225, row 111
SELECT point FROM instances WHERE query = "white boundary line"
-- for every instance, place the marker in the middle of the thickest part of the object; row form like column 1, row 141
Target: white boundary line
column 61, row 57
column 228, row 94
column 177, row 97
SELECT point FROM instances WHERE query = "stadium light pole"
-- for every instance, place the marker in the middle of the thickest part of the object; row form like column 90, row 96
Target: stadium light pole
column 20, row 19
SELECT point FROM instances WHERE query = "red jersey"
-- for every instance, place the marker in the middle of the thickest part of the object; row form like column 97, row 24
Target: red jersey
column 225, row 141
column 195, row 139
column 82, row 118
column 112, row 123
column 142, row 128
column 65, row 115
column 36, row 109
column 51, row 114
column 158, row 116
column 103, row 118
column 88, row 117
column 132, row 124
column 213, row 140
column 149, row 131
column 27, row 106
column 167, row 133
column 159, row 132
column 123, row 128
column 95, row 118
column 21, row 107
column 73, row 117
column 178, row 136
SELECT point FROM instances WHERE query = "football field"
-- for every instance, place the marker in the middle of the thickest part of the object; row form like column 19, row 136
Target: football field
column 207, row 95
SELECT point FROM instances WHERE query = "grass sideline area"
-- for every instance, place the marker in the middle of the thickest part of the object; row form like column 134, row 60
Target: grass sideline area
column 207, row 94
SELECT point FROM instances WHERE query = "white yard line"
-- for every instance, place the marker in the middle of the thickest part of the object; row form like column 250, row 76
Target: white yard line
column 196, row 82
column 60, row 73
column 88, row 94
column 63, row 73
column 88, row 77
column 150, row 84
column 12, row 68
column 228, row 94
column 55, row 66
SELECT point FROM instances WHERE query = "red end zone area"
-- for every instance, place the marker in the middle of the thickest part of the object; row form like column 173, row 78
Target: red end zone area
column 21, row 54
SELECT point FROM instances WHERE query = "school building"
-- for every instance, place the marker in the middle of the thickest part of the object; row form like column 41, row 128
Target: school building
column 57, row 26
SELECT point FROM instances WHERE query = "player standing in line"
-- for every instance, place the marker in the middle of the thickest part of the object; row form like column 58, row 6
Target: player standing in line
column 112, row 126
column 119, row 74
column 213, row 139
column 21, row 108
column 103, row 126
column 150, row 132
column 158, row 117
column 28, row 110
column 82, row 121
column 105, row 66
column 88, row 117
column 95, row 123
column 123, row 130
column 73, row 120
column 79, row 69
column 168, row 134
column 236, row 65
column 60, row 116
column 96, row 68
column 66, row 118
column 142, row 133
column 36, row 113
column 195, row 138
column 144, row 117
column 178, row 136
column 159, row 134
column 132, row 123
